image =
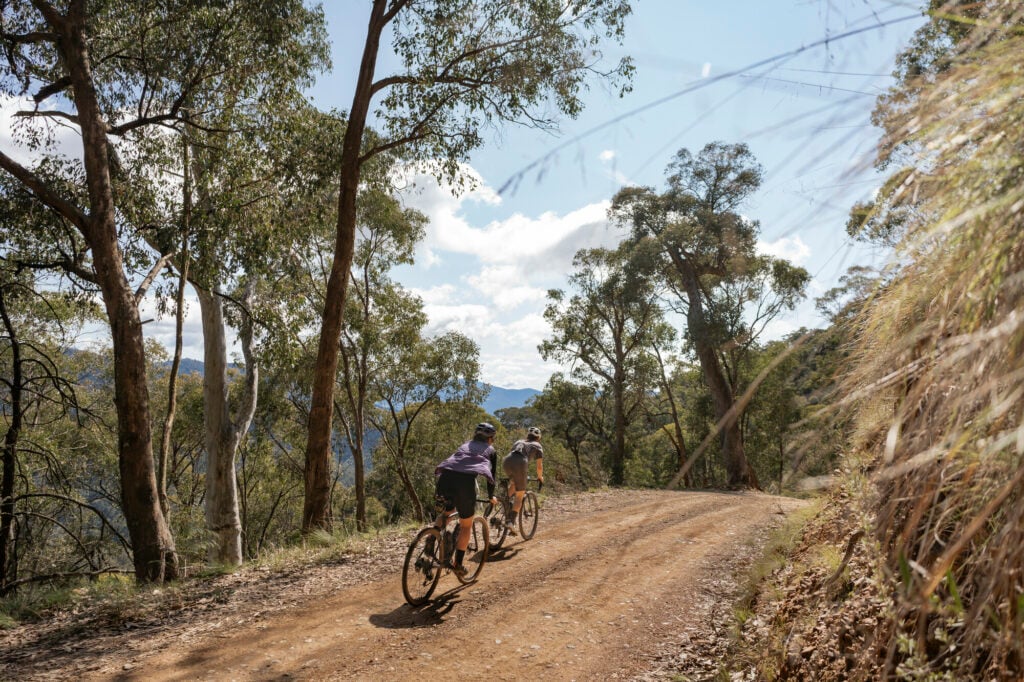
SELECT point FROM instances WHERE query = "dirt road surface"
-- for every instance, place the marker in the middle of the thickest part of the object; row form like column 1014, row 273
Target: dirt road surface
column 616, row 585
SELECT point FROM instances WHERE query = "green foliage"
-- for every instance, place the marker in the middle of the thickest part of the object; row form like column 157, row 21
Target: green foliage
column 471, row 65
column 603, row 331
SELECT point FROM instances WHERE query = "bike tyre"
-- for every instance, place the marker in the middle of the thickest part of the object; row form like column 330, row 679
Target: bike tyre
column 529, row 514
column 416, row 586
column 477, row 551
column 498, row 520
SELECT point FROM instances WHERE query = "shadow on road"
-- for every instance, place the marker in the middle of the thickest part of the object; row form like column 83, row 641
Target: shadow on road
column 503, row 554
column 431, row 613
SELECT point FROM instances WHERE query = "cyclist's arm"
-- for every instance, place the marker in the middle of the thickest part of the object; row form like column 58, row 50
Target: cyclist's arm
column 540, row 469
column 494, row 474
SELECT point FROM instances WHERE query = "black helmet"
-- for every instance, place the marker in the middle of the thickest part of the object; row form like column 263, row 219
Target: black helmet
column 485, row 429
column 533, row 431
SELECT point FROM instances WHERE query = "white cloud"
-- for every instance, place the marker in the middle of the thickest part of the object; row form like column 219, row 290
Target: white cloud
column 505, row 266
column 792, row 249
column 780, row 327
column 508, row 352
column 609, row 160
column 437, row 295
column 467, row 318
column 498, row 272
column 506, row 286
column 162, row 327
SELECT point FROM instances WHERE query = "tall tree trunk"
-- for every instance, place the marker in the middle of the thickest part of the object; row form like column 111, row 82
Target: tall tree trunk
column 579, row 464
column 619, row 437
column 736, row 465
column 153, row 548
column 7, row 572
column 360, row 483
column 223, row 435
column 316, row 510
column 179, row 323
column 410, row 490
column 678, row 439
column 355, row 379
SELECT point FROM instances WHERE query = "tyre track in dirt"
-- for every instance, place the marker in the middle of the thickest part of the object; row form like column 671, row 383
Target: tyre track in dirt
column 590, row 597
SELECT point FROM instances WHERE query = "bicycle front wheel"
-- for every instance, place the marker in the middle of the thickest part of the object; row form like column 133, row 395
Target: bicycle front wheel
column 477, row 551
column 421, row 569
column 528, row 515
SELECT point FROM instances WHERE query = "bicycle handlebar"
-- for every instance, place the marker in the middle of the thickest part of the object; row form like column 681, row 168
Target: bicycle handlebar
column 540, row 484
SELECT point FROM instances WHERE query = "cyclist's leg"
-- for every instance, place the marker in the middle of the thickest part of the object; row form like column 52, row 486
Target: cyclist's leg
column 464, row 498
column 444, row 502
column 515, row 468
column 465, row 533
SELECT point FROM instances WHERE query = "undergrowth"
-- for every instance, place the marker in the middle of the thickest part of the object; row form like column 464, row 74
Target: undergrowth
column 117, row 597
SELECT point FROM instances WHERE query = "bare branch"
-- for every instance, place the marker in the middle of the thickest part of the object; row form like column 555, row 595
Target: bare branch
column 52, row 89
column 35, row 113
column 103, row 519
column 31, row 37
column 396, row 7
column 45, row 193
column 159, row 265
column 49, row 13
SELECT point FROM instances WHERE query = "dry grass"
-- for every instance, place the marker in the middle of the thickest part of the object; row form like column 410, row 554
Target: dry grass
column 938, row 386
column 934, row 400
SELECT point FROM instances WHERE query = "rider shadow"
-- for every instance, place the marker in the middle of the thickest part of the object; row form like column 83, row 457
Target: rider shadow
column 503, row 554
column 431, row 613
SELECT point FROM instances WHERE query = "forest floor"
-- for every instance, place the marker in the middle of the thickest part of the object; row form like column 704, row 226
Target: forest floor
column 616, row 584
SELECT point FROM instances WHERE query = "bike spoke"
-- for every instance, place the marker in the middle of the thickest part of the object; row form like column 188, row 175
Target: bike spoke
column 421, row 569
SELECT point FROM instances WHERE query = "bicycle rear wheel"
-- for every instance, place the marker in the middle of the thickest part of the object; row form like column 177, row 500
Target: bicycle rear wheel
column 528, row 515
column 498, row 521
column 421, row 569
column 477, row 551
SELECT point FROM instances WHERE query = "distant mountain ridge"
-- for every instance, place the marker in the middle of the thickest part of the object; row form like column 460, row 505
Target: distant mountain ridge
column 507, row 397
column 497, row 399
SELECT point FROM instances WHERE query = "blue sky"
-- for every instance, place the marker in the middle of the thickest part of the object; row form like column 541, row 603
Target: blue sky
column 489, row 259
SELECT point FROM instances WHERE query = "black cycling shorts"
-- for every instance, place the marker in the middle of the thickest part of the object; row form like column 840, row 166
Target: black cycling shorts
column 514, row 466
column 456, row 490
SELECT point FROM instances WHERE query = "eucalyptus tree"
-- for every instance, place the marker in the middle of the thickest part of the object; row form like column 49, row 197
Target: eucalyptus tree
column 388, row 234
column 574, row 414
column 412, row 377
column 604, row 331
column 665, row 404
column 239, row 190
column 463, row 66
column 110, row 70
column 695, row 242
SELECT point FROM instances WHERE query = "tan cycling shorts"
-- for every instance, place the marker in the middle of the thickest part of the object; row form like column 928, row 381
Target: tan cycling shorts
column 514, row 467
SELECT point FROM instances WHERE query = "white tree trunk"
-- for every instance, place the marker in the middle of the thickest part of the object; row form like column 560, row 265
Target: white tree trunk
column 223, row 435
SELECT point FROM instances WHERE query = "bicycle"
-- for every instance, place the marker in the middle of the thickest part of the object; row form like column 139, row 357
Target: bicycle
column 430, row 554
column 497, row 516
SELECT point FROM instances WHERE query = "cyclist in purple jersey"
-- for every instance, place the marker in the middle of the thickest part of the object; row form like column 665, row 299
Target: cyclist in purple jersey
column 515, row 465
column 456, row 485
